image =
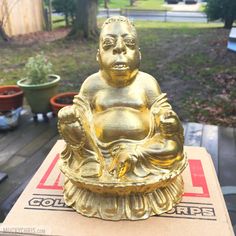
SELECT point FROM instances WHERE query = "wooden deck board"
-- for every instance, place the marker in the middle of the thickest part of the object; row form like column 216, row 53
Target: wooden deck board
column 3, row 176
column 8, row 137
column 39, row 141
column 30, row 148
column 8, row 203
column 25, row 170
column 234, row 136
column 22, row 139
column 2, row 134
column 15, row 184
column 185, row 127
column 193, row 135
column 210, row 142
column 227, row 156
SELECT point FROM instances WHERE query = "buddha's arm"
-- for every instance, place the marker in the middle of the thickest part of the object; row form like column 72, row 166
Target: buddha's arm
column 161, row 152
column 74, row 121
column 166, row 121
column 166, row 145
column 71, row 122
column 162, row 149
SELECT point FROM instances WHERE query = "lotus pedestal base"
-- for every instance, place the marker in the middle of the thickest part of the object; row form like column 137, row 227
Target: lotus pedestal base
column 123, row 207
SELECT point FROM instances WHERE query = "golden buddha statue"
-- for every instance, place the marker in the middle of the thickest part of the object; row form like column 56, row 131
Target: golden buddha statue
column 124, row 143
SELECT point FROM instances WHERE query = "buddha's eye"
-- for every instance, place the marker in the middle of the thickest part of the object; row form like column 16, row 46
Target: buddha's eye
column 130, row 42
column 108, row 42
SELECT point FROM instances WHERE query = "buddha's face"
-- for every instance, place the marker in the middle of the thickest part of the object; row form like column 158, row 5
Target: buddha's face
column 118, row 54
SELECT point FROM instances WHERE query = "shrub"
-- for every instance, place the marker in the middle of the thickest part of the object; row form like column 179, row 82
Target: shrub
column 37, row 69
column 222, row 9
column 66, row 7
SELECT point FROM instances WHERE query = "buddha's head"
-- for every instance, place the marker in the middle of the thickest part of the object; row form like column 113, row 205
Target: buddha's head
column 118, row 54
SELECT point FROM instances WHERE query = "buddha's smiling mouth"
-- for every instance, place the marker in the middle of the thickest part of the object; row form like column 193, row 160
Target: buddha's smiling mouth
column 120, row 66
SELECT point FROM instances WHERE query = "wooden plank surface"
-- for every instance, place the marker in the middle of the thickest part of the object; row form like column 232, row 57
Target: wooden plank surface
column 210, row 142
column 2, row 176
column 30, row 148
column 235, row 136
column 193, row 135
column 40, row 140
column 227, row 156
column 22, row 151
column 185, row 127
column 7, row 137
column 21, row 139
column 25, row 170
column 8, row 203
column 26, row 143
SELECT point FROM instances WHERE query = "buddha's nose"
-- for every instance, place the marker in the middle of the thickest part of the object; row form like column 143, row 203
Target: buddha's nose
column 120, row 46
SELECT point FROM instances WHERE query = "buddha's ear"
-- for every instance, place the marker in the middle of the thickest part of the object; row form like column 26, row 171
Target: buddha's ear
column 140, row 55
column 98, row 56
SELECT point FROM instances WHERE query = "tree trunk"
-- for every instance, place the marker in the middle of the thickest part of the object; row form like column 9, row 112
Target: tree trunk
column 50, row 14
column 3, row 34
column 228, row 22
column 86, row 19
column 72, row 16
column 67, row 19
column 105, row 3
column 132, row 2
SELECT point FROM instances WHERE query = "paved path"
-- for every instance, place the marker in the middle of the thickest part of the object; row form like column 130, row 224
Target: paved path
column 169, row 16
column 181, row 6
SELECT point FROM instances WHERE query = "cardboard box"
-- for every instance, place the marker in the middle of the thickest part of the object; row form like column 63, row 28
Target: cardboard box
column 40, row 210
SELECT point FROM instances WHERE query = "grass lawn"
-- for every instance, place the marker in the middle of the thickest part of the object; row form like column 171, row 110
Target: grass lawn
column 139, row 4
column 202, row 7
column 115, row 3
column 58, row 21
column 189, row 60
column 150, row 4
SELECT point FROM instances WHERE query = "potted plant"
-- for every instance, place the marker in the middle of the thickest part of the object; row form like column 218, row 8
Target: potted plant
column 11, row 97
column 11, row 101
column 61, row 100
column 39, row 85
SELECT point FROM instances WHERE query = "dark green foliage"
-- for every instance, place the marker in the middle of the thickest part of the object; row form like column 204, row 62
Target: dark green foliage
column 67, row 7
column 222, row 9
column 46, row 2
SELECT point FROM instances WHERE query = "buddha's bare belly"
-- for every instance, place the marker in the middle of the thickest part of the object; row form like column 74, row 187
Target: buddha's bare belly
column 119, row 122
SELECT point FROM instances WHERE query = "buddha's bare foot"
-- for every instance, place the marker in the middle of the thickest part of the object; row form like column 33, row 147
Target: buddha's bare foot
column 91, row 170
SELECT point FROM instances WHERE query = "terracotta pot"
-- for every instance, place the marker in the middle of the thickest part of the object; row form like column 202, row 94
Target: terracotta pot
column 12, row 101
column 55, row 103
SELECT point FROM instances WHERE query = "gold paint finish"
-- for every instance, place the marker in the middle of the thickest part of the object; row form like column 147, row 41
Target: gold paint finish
column 124, row 143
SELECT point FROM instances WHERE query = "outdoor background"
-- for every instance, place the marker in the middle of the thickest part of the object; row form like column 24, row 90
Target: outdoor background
column 190, row 60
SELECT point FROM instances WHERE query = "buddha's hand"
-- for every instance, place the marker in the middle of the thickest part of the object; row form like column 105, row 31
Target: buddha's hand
column 123, row 161
column 69, row 126
column 169, row 123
